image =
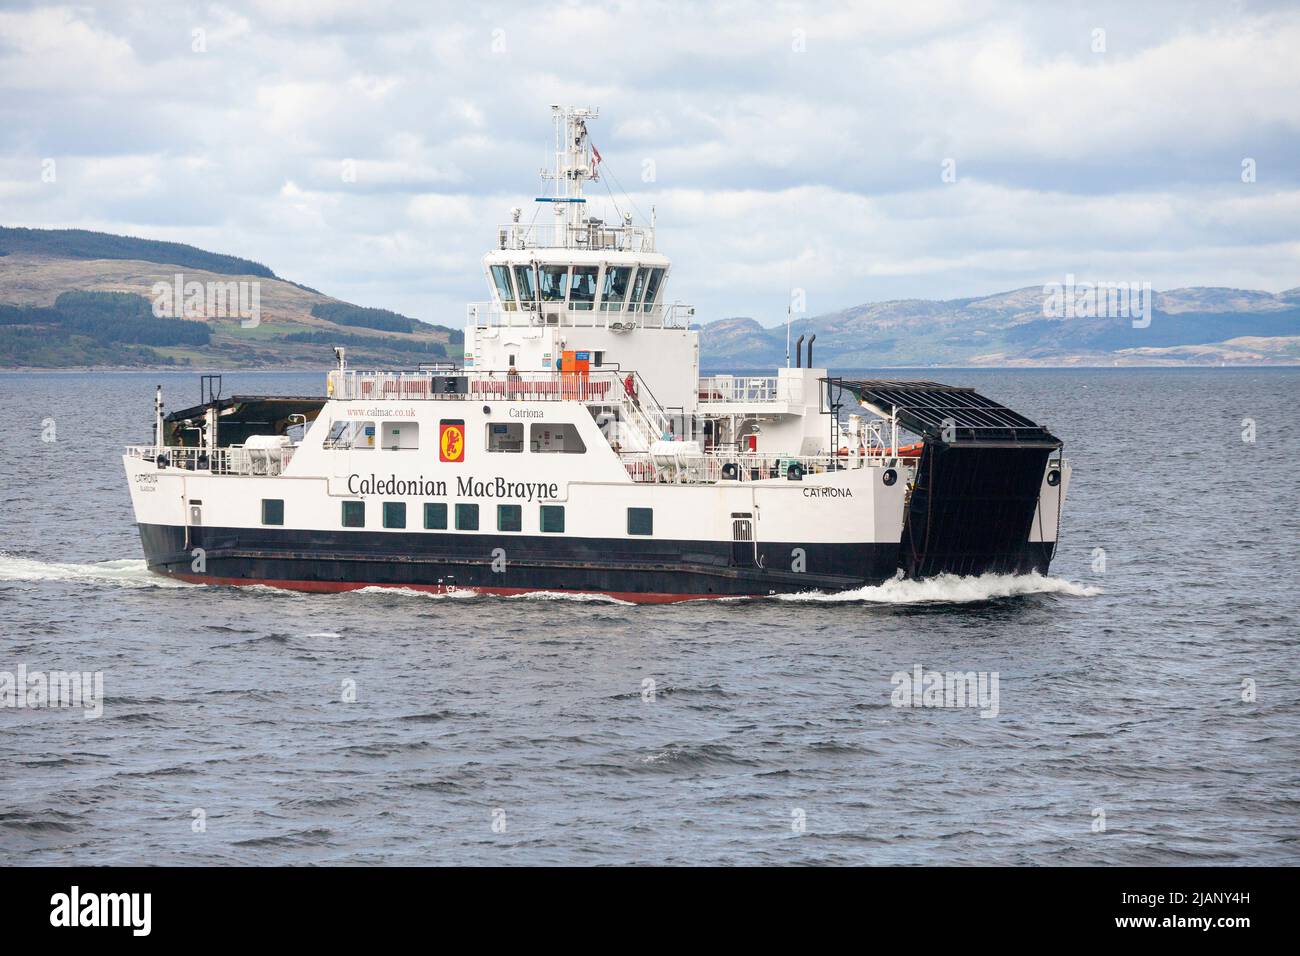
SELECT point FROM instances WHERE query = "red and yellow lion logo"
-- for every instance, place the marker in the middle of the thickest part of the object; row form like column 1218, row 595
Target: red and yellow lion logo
column 451, row 441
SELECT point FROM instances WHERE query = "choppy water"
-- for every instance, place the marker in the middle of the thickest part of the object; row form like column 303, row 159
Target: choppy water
column 1119, row 692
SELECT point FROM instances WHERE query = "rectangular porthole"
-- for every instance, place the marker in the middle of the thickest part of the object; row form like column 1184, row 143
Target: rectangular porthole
column 510, row 518
column 435, row 515
column 505, row 436
column 640, row 521
column 556, row 438
column 553, row 519
column 466, row 517
column 354, row 514
column 394, row 514
column 272, row 511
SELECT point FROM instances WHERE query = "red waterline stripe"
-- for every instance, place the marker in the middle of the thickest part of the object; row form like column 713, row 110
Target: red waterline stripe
column 331, row 587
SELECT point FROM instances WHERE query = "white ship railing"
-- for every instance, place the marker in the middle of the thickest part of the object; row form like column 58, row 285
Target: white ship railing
column 489, row 315
column 713, row 467
column 748, row 389
column 598, row 236
column 472, row 384
column 233, row 460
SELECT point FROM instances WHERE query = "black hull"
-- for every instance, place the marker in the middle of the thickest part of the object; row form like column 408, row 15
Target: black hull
column 637, row 570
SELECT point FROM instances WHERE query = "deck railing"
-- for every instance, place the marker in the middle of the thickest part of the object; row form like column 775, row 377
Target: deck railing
column 232, row 460
column 566, row 235
column 470, row 384
column 743, row 388
column 487, row 315
column 713, row 467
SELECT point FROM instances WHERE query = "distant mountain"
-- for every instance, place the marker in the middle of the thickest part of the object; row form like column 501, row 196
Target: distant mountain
column 71, row 298
column 56, row 311
column 1187, row 326
column 83, row 244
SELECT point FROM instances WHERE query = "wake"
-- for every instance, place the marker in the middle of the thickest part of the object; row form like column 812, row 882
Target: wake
column 119, row 573
column 949, row 589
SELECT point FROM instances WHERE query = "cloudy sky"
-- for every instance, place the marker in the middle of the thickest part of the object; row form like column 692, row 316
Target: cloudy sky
column 783, row 145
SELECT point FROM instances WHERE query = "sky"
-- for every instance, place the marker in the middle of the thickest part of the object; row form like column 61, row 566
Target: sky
column 854, row 152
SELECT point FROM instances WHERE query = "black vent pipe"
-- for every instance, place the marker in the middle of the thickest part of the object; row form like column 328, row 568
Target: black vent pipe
column 798, row 353
column 810, row 342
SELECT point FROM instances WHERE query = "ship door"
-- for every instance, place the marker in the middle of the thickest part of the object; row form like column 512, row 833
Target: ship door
column 743, row 548
column 196, row 513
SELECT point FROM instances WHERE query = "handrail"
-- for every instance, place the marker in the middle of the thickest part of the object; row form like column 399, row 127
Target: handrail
column 663, row 315
column 597, row 236
column 749, row 388
column 231, row 460
column 711, row 467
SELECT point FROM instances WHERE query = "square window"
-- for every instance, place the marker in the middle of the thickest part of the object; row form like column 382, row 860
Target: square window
column 466, row 517
column 394, row 514
column 553, row 519
column 435, row 515
column 272, row 511
column 505, row 436
column 354, row 514
column 640, row 521
column 510, row 518
column 558, row 438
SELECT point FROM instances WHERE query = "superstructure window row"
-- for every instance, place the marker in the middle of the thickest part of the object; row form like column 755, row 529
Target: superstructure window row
column 543, row 438
column 579, row 287
column 509, row 518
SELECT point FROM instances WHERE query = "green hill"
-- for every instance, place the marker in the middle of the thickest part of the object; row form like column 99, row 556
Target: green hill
column 72, row 298
column 83, row 244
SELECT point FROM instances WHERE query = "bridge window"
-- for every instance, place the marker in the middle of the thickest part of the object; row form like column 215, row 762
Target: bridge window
column 510, row 518
column 394, row 514
column 435, row 515
column 553, row 519
column 354, row 514
column 617, row 280
column 561, row 439
column 638, row 289
column 501, row 277
column 652, row 288
column 466, row 517
column 505, row 436
column 640, row 521
column 555, row 283
column 524, row 283
column 583, row 294
column 272, row 511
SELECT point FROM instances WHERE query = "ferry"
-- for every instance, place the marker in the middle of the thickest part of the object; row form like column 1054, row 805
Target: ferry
column 577, row 449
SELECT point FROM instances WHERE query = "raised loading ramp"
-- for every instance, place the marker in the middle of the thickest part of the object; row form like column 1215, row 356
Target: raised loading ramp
column 977, row 481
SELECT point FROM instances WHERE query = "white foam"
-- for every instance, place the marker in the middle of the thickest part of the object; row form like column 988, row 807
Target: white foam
column 580, row 596
column 389, row 591
column 121, row 573
column 950, row 589
column 465, row 592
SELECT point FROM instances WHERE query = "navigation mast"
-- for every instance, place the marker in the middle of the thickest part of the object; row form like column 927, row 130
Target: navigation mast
column 575, row 162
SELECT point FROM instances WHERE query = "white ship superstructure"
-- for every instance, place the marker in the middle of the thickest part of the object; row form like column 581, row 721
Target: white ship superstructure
column 577, row 448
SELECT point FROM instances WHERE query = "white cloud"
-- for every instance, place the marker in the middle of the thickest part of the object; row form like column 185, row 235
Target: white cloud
column 774, row 166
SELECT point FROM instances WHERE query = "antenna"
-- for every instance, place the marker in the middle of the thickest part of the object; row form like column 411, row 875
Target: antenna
column 574, row 162
column 787, row 332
